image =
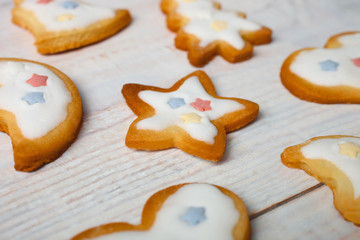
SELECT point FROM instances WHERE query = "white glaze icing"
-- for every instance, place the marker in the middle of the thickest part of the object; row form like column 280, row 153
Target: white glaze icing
column 306, row 64
column 195, row 9
column 165, row 116
column 329, row 149
column 85, row 14
column 350, row 40
column 38, row 119
column 221, row 217
column 202, row 14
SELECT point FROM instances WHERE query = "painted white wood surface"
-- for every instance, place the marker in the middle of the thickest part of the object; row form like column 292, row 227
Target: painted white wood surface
column 296, row 219
column 99, row 180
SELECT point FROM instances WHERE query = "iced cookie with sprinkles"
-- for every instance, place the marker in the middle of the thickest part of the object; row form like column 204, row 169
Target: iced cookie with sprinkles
column 61, row 25
column 188, row 211
column 40, row 109
column 334, row 160
column 189, row 116
column 326, row 75
column 205, row 30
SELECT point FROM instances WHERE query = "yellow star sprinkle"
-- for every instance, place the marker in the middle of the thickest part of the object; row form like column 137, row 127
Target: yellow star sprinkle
column 65, row 17
column 351, row 149
column 219, row 25
column 191, row 117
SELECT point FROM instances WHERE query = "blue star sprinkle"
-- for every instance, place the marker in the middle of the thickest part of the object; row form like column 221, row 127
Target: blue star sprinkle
column 329, row 65
column 176, row 102
column 194, row 216
column 69, row 5
column 34, row 97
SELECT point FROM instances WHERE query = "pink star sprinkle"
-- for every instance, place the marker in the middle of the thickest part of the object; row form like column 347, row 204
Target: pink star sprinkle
column 37, row 80
column 201, row 105
column 356, row 61
column 44, row 1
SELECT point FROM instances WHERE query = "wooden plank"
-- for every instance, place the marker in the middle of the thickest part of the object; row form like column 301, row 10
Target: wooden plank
column 312, row 216
column 99, row 180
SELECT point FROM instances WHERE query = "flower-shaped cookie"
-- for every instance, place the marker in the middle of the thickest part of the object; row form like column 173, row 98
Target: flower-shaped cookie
column 334, row 160
column 326, row 75
column 189, row 116
column 205, row 30
column 40, row 109
column 60, row 25
column 187, row 211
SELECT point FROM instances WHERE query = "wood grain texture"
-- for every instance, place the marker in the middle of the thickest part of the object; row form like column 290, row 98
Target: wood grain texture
column 300, row 220
column 99, row 180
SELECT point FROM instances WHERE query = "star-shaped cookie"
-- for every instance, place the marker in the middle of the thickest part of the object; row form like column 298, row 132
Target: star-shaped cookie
column 205, row 30
column 59, row 25
column 334, row 160
column 194, row 211
column 326, row 75
column 189, row 116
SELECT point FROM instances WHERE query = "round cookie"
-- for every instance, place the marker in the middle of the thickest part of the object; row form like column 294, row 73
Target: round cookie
column 40, row 109
column 61, row 25
column 186, row 211
column 205, row 30
column 326, row 75
column 334, row 160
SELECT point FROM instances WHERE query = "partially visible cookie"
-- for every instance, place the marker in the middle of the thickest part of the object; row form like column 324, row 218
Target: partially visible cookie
column 205, row 30
column 334, row 160
column 326, row 75
column 189, row 116
column 61, row 25
column 187, row 211
column 40, row 109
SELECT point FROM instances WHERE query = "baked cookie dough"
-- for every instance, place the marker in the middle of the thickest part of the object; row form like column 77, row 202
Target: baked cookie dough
column 40, row 109
column 205, row 30
column 326, row 75
column 187, row 211
column 189, row 116
column 61, row 25
column 334, row 160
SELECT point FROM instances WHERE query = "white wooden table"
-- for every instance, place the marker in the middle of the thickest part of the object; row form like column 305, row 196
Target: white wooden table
column 99, row 180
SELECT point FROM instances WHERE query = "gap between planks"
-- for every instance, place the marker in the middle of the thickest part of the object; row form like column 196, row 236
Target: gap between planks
column 290, row 199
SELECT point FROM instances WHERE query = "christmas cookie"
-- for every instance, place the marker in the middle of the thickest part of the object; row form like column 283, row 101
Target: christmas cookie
column 61, row 25
column 326, row 75
column 205, row 30
column 189, row 116
column 187, row 211
column 40, row 109
column 334, row 160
